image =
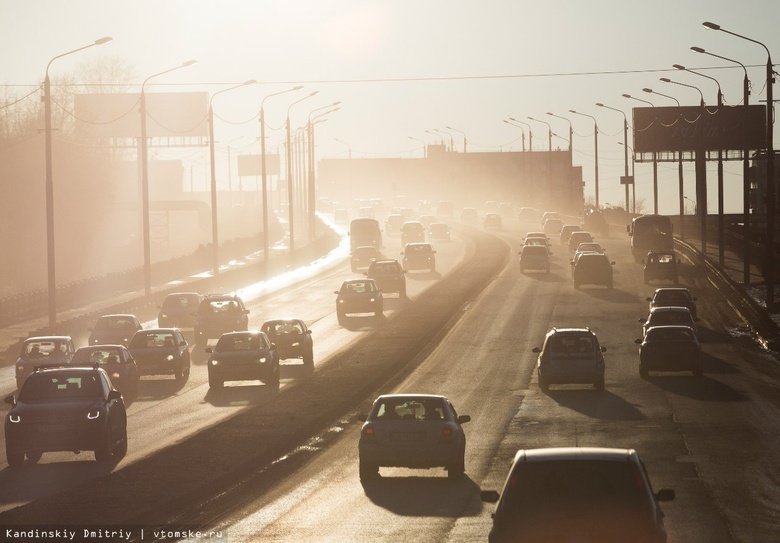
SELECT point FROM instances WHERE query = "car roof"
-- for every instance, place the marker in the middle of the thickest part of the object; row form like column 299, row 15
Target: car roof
column 208, row 297
column 575, row 453
column 670, row 308
column 282, row 319
column 182, row 294
column 47, row 338
column 572, row 331
column 352, row 281
column 385, row 261
column 243, row 333
column 671, row 327
column 118, row 316
column 158, row 330
column 411, row 397
column 672, row 289
column 101, row 347
column 419, row 244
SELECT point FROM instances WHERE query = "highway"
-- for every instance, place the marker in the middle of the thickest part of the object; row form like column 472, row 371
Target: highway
column 714, row 439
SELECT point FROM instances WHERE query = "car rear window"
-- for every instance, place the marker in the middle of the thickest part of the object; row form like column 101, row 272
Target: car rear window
column 142, row 340
column 410, row 409
column 46, row 387
column 232, row 343
column 571, row 344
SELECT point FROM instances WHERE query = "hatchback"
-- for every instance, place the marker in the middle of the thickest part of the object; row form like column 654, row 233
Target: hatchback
column 220, row 313
column 534, row 257
column 38, row 350
column 661, row 266
column 178, row 310
column 114, row 329
column 661, row 316
column 243, row 356
column 358, row 296
column 592, row 269
column 669, row 348
column 412, row 232
column 580, row 236
column 118, row 363
column 439, row 231
column 363, row 256
column 389, row 275
column 676, row 296
column 292, row 339
column 419, row 256
column 566, row 232
column 570, row 355
column 161, row 351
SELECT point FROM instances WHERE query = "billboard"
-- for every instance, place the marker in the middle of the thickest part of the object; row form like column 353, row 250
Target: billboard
column 252, row 165
column 168, row 114
column 696, row 128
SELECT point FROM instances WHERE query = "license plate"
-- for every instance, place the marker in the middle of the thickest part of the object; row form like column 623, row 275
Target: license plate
column 408, row 436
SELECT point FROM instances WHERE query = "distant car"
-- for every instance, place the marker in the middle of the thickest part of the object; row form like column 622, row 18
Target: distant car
column 362, row 257
column 661, row 266
column 527, row 214
column 578, row 237
column 491, row 206
column 492, row 220
column 582, row 494
column 427, row 220
column 114, row 329
column 40, row 350
column 161, row 351
column 419, row 431
column 65, row 409
column 178, row 310
column 676, row 296
column 669, row 315
column 534, row 257
column 550, row 215
column 243, row 356
column 292, row 339
column 438, row 231
column 570, row 355
column 506, row 209
column 583, row 248
column 469, row 214
column 669, row 348
column 593, row 269
column 566, row 232
column 393, row 224
column 358, row 296
column 552, row 226
column 419, row 256
column 367, row 212
column 445, row 208
column 594, row 221
column 118, row 363
column 341, row 216
column 220, row 313
column 412, row 232
column 389, row 275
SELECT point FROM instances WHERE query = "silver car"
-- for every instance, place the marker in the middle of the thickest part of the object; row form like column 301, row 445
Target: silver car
column 412, row 431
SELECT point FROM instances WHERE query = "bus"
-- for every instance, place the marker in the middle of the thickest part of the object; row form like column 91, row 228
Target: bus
column 650, row 233
column 365, row 231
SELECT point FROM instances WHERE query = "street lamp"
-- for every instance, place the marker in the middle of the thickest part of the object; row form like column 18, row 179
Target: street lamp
column 651, row 91
column 625, row 145
column 52, row 280
column 263, row 168
column 571, row 129
column 214, row 223
column 522, row 131
column 667, row 80
column 655, row 158
column 530, row 134
column 349, row 147
column 596, row 152
column 436, row 135
column 459, row 132
column 312, row 202
column 289, row 171
column 745, row 168
column 145, row 180
column 549, row 131
column 425, row 152
column 452, row 143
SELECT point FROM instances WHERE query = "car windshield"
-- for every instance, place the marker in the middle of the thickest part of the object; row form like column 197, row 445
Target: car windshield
column 143, row 340
column 670, row 334
column 237, row 342
column 53, row 387
column 115, row 323
column 218, row 307
column 571, row 344
column 89, row 357
column 385, row 269
column 179, row 302
column 409, row 409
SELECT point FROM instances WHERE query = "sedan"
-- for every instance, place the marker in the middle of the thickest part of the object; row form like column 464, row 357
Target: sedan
column 669, row 348
column 118, row 363
column 243, row 356
column 161, row 351
column 412, row 431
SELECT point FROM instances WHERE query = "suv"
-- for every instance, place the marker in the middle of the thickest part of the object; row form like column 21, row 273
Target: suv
column 42, row 350
column 411, row 232
column 389, row 275
column 570, row 355
column 578, row 494
column 178, row 310
column 220, row 313
column 661, row 266
column 114, row 330
column 592, row 269
column 65, row 409
column 419, row 256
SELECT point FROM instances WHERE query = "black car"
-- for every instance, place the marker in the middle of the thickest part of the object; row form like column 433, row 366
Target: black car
column 439, row 231
column 673, row 296
column 412, row 232
column 114, row 329
column 661, row 266
column 669, row 348
column 292, row 339
column 358, row 296
column 178, row 310
column 593, row 269
column 389, row 275
column 218, row 314
column 243, row 356
column 419, row 256
column 65, row 409
column 161, row 351
column 39, row 350
column 118, row 363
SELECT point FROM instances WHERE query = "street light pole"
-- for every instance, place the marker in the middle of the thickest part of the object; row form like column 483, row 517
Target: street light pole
column 655, row 159
column 50, row 256
column 214, row 223
column 625, row 145
column 522, row 131
column 145, row 181
column 596, row 152
column 312, row 200
column 571, row 128
column 425, row 151
column 289, row 172
column 530, row 134
column 459, row 132
column 770, row 168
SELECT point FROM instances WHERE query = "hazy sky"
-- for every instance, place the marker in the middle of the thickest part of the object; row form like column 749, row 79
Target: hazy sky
column 402, row 67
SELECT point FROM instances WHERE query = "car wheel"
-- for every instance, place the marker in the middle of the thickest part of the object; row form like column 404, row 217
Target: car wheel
column 402, row 292
column 456, row 470
column 643, row 373
column 600, row 385
column 33, row 457
column 15, row 458
column 215, row 383
column 368, row 471
column 121, row 448
column 543, row 384
column 273, row 382
column 183, row 373
column 103, row 452
column 308, row 358
column 340, row 316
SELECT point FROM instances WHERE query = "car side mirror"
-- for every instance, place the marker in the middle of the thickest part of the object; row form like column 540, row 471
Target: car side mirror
column 273, row 346
column 335, row 292
column 491, row 496
column 664, row 495
column 246, row 312
column 464, row 418
column 308, row 331
column 612, row 263
column 603, row 349
column 209, row 350
column 648, row 299
column 10, row 400
column 114, row 395
column 638, row 341
column 536, row 350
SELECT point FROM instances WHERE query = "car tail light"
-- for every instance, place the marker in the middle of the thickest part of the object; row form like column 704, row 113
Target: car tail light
column 446, row 434
column 369, row 433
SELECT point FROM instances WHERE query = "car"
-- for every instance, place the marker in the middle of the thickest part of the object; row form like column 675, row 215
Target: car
column 669, row 348
column 292, row 339
column 594, row 221
column 118, row 363
column 358, row 296
column 549, row 215
column 39, row 350
column 506, row 209
column 420, row 431
column 541, row 242
column 491, row 206
column 566, row 232
column 661, row 266
column 412, row 232
column 161, row 351
column 393, row 223
column 341, row 216
column 577, row 494
column 428, row 220
column 492, row 220
column 593, row 269
column 528, row 214
column 361, row 257
column 439, row 231
column 419, row 256
column 534, row 257
column 677, row 315
column 389, row 275
column 570, row 356
column 589, row 247
column 366, row 212
column 65, row 409
column 114, row 329
column 445, row 208
column 178, row 310
column 552, row 226
column 469, row 214
column 578, row 237
column 243, row 356
column 220, row 313
column 676, row 296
